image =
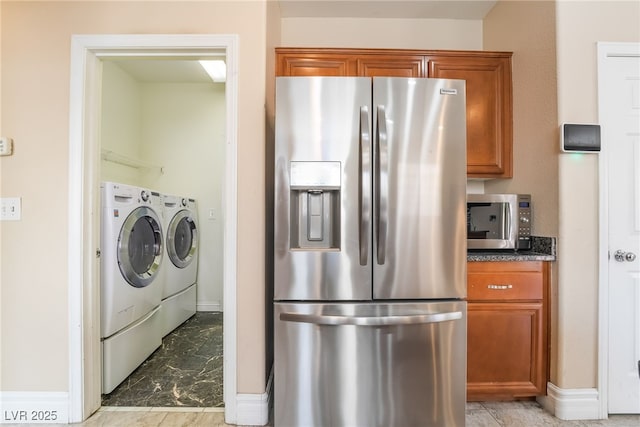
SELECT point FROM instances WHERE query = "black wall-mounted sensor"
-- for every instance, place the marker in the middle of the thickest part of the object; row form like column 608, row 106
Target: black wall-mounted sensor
column 584, row 138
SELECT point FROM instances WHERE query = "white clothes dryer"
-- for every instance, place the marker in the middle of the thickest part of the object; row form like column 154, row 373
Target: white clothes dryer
column 181, row 235
column 180, row 268
column 131, row 286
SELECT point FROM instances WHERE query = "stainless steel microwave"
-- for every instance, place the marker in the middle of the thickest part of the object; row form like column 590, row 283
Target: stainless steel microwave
column 499, row 221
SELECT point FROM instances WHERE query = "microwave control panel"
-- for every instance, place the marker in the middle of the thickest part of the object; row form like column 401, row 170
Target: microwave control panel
column 524, row 213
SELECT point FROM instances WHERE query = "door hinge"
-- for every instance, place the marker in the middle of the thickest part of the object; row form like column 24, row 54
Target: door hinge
column 638, row 368
column 98, row 253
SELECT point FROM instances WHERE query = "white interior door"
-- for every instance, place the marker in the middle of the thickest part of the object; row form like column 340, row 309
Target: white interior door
column 619, row 92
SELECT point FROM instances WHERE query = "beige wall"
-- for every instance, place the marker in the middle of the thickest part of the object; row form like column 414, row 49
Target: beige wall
column 273, row 40
column 36, row 36
column 527, row 28
column 555, row 81
column 579, row 26
column 382, row 33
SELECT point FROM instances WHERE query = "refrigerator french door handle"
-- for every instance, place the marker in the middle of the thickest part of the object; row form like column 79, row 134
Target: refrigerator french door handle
column 365, row 184
column 330, row 320
column 382, row 185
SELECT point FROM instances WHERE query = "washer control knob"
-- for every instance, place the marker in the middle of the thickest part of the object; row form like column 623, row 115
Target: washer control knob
column 144, row 195
column 184, row 202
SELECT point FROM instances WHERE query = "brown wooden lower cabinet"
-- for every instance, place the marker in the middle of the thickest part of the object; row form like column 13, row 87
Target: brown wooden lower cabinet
column 507, row 337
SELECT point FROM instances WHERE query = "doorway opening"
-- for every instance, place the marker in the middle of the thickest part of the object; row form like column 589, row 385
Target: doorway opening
column 89, row 55
column 162, row 130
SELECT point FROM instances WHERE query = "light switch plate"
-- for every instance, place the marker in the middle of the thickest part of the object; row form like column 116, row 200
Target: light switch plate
column 6, row 146
column 10, row 209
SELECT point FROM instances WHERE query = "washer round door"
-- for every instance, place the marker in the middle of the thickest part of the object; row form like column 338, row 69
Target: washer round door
column 140, row 247
column 182, row 239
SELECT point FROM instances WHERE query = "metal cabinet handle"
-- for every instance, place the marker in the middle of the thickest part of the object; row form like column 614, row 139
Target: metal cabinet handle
column 331, row 320
column 500, row 287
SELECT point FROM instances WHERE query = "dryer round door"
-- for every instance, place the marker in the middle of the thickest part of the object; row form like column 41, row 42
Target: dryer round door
column 140, row 247
column 182, row 238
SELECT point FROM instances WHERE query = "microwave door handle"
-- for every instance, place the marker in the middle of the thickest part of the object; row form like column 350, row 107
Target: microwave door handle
column 364, row 201
column 382, row 185
column 508, row 233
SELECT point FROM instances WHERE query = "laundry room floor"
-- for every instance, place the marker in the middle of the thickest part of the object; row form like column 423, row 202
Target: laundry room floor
column 186, row 371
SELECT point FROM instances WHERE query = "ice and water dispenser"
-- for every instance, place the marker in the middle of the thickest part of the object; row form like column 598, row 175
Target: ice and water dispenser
column 315, row 205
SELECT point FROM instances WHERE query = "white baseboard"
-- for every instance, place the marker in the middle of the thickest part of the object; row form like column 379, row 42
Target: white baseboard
column 572, row 403
column 253, row 409
column 209, row 306
column 25, row 407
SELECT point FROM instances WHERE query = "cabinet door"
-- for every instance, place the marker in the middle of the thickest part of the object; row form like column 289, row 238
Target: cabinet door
column 391, row 66
column 314, row 64
column 489, row 110
column 505, row 350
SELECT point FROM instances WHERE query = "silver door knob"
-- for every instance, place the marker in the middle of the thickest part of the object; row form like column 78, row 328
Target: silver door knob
column 622, row 256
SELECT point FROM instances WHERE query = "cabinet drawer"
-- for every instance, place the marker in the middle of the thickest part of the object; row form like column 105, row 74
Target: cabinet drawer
column 504, row 286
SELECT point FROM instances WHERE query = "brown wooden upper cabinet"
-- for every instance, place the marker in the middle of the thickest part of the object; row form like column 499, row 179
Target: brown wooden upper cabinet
column 489, row 90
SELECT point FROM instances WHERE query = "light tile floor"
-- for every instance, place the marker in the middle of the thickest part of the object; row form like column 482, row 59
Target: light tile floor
column 530, row 414
column 485, row 414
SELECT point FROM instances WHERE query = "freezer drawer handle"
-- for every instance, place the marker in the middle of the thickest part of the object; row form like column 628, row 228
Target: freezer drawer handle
column 382, row 185
column 414, row 319
column 365, row 184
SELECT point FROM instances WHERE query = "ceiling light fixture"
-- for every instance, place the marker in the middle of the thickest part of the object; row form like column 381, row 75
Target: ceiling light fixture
column 216, row 69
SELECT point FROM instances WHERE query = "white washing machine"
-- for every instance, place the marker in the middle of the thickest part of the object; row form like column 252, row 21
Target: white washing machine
column 181, row 261
column 131, row 279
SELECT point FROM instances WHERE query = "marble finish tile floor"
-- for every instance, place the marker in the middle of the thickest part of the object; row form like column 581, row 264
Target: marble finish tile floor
column 186, row 371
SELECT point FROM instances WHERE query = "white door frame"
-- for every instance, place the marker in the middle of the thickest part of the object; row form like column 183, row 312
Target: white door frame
column 84, row 335
column 605, row 51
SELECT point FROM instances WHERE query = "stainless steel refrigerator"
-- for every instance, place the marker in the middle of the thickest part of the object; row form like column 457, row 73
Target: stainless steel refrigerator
column 370, row 252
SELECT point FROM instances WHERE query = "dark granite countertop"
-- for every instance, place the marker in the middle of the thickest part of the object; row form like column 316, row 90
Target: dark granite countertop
column 543, row 249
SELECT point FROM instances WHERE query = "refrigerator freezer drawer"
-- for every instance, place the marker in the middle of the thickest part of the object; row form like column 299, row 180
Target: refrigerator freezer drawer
column 370, row 364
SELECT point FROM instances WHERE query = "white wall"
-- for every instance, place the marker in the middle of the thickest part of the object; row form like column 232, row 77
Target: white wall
column 180, row 128
column 121, row 125
column 183, row 131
